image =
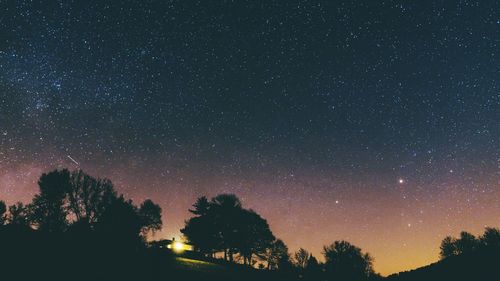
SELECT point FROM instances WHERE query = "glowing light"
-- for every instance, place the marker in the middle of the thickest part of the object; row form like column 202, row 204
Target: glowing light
column 178, row 246
column 401, row 181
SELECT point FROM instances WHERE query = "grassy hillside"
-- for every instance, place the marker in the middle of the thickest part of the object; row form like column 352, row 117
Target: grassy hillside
column 190, row 269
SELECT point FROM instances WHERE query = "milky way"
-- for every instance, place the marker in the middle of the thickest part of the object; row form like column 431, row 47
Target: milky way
column 372, row 122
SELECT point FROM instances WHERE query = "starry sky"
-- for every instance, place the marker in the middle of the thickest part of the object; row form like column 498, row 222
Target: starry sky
column 370, row 121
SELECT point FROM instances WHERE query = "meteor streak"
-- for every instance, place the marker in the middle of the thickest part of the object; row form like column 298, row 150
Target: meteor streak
column 73, row 160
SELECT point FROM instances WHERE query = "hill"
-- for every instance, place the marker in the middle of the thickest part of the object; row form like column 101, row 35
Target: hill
column 27, row 255
column 476, row 266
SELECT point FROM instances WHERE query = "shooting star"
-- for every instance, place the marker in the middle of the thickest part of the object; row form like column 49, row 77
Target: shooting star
column 73, row 160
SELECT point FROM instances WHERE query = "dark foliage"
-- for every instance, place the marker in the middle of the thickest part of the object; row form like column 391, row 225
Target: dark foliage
column 88, row 198
column 491, row 237
column 223, row 225
column 78, row 228
column 18, row 214
column 479, row 265
column 465, row 258
column 277, row 255
column 3, row 209
column 48, row 210
column 344, row 261
column 301, row 258
column 313, row 270
column 448, row 247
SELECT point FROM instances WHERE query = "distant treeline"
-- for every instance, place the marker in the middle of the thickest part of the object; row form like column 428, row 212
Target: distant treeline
column 468, row 243
column 78, row 227
column 464, row 258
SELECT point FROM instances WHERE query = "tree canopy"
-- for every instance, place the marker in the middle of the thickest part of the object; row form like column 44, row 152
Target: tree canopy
column 223, row 225
column 277, row 255
column 3, row 209
column 76, row 200
column 468, row 243
column 301, row 258
column 345, row 261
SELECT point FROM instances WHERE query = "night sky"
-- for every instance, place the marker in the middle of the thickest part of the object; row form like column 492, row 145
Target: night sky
column 375, row 122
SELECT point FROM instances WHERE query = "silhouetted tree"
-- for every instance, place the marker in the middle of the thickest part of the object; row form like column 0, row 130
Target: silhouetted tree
column 226, row 211
column 222, row 224
column 226, row 202
column 80, row 227
column 150, row 214
column 313, row 269
column 254, row 235
column 48, row 210
column 491, row 237
column 124, row 222
column 277, row 255
column 201, row 206
column 202, row 233
column 121, row 223
column 88, row 203
column 344, row 261
column 18, row 214
column 201, row 230
column 466, row 243
column 312, row 262
column 89, row 197
column 473, row 259
column 448, row 247
column 3, row 209
column 301, row 258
